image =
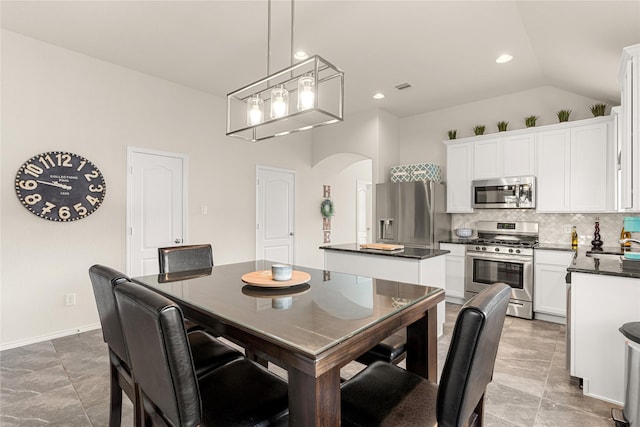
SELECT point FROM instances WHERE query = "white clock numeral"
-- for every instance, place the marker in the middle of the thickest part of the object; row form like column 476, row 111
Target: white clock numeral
column 90, row 176
column 96, row 188
column 48, row 207
column 29, row 184
column 64, row 212
column 92, row 200
column 82, row 211
column 33, row 170
column 32, row 199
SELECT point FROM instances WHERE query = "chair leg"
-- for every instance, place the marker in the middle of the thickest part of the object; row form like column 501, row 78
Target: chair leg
column 479, row 412
column 115, row 408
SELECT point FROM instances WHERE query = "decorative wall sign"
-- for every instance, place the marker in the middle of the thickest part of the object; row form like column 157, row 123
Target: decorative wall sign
column 60, row 186
column 326, row 210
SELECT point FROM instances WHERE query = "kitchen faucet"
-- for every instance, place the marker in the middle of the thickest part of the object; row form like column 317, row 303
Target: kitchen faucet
column 629, row 240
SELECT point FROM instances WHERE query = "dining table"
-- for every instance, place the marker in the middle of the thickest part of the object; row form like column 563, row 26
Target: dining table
column 311, row 327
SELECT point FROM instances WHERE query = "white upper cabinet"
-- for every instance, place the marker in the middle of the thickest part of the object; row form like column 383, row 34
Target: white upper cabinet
column 519, row 154
column 629, row 138
column 576, row 167
column 553, row 158
column 459, row 175
column 504, row 156
column 488, row 159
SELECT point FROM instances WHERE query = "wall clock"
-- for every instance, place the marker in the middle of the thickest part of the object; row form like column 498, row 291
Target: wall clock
column 60, row 186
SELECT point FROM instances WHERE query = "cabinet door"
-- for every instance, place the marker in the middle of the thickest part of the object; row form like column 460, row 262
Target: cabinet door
column 455, row 276
column 550, row 295
column 488, row 159
column 553, row 160
column 459, row 173
column 519, row 155
column 589, row 168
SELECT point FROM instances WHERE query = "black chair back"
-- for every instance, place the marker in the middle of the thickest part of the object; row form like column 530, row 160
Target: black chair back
column 103, row 280
column 472, row 354
column 160, row 355
column 183, row 258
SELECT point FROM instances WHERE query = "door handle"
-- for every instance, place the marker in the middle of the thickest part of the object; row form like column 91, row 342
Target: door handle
column 177, row 241
column 291, row 233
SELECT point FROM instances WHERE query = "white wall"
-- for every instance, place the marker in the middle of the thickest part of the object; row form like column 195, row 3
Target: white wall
column 421, row 136
column 55, row 99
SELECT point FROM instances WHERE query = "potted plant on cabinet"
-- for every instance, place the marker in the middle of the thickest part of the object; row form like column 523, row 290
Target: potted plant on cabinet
column 502, row 126
column 530, row 121
column 452, row 133
column 598, row 109
column 563, row 115
column 479, row 129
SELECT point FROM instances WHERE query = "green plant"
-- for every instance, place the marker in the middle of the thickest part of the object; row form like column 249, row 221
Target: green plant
column 530, row 121
column 563, row 115
column 598, row 109
column 327, row 208
column 502, row 126
column 479, row 129
column 452, row 133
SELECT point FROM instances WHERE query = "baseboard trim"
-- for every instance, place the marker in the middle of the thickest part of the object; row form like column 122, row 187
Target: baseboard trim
column 47, row 337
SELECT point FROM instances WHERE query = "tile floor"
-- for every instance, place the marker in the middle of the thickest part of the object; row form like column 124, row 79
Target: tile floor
column 64, row 382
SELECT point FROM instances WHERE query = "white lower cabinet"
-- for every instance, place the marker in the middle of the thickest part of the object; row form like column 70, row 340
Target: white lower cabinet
column 550, row 289
column 455, row 271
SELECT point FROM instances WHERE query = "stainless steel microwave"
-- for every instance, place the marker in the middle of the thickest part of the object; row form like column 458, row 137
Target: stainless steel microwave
column 504, row 193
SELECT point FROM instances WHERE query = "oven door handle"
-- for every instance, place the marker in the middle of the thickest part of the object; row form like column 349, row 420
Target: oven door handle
column 497, row 257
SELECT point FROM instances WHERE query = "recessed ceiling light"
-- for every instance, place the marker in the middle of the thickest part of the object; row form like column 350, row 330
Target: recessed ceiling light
column 301, row 54
column 378, row 95
column 504, row 58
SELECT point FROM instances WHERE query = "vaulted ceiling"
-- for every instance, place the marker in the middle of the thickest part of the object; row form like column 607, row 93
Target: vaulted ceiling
column 446, row 50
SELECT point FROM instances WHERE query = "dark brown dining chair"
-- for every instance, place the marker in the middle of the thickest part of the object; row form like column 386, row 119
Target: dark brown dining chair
column 240, row 393
column 386, row 395
column 208, row 352
column 184, row 258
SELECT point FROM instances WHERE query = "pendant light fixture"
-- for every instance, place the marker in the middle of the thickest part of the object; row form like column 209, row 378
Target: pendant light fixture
column 261, row 109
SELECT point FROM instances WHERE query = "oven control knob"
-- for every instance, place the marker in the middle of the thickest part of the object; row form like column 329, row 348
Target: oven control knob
column 484, row 249
column 510, row 251
column 517, row 251
column 477, row 248
column 497, row 249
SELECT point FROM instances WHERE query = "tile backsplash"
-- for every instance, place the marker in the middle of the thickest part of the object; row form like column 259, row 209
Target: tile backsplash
column 551, row 225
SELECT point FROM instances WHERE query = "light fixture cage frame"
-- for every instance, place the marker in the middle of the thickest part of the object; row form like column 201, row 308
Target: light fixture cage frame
column 328, row 102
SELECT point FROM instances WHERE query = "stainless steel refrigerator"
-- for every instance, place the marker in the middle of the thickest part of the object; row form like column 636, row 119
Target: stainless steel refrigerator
column 412, row 214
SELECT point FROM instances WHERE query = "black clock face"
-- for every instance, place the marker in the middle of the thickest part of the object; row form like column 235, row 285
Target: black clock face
column 60, row 186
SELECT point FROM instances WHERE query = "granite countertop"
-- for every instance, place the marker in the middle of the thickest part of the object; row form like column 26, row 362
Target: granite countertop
column 607, row 261
column 407, row 252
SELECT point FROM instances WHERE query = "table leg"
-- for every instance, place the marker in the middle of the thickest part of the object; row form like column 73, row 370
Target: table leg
column 314, row 401
column 422, row 346
column 252, row 356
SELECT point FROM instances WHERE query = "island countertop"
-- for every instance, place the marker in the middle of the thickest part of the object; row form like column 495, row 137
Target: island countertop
column 407, row 252
column 607, row 262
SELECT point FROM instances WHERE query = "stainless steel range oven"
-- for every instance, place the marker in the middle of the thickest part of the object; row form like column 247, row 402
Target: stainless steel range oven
column 503, row 252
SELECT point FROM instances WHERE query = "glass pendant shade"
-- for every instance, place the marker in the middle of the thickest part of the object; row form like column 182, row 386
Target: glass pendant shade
column 261, row 110
column 255, row 110
column 279, row 102
column 306, row 92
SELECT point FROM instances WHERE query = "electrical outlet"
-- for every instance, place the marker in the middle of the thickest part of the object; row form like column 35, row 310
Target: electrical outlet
column 204, row 209
column 567, row 228
column 69, row 300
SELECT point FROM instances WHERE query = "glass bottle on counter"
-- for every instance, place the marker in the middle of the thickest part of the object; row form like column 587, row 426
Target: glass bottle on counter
column 625, row 235
column 574, row 238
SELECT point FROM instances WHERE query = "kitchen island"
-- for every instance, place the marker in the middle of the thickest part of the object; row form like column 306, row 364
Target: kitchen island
column 410, row 265
column 603, row 296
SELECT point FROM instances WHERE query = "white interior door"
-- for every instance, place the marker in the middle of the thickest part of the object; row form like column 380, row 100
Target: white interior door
column 364, row 212
column 155, row 207
column 275, row 214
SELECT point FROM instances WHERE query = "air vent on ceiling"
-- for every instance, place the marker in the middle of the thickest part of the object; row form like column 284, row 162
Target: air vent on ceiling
column 403, row 86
